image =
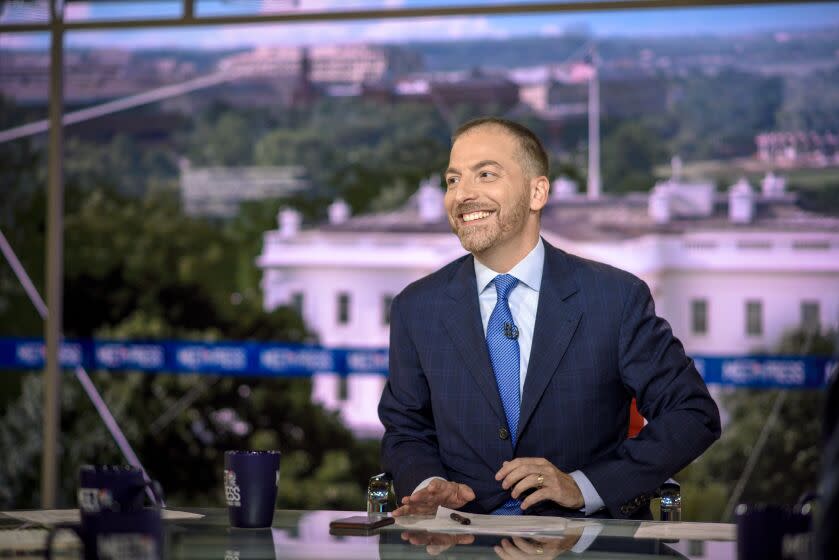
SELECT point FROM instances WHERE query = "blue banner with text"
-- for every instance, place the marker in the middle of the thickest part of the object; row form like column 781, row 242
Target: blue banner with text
column 297, row 360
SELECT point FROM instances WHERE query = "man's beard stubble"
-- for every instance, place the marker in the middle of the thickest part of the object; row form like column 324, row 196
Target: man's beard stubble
column 481, row 237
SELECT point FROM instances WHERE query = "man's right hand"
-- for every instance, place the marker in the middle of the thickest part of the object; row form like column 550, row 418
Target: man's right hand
column 438, row 493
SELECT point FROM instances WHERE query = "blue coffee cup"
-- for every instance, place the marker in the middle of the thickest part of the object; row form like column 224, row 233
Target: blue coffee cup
column 251, row 479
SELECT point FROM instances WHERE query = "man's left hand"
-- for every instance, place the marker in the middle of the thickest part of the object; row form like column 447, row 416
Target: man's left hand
column 550, row 483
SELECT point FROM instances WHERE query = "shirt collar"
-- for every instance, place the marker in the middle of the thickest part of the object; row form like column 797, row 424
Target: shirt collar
column 528, row 270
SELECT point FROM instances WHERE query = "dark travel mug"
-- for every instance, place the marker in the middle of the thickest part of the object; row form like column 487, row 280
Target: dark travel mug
column 105, row 490
column 771, row 532
column 110, row 488
column 113, row 520
column 251, row 479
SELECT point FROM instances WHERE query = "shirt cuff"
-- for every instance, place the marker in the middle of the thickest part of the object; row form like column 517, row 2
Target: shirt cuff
column 590, row 533
column 592, row 500
column 426, row 482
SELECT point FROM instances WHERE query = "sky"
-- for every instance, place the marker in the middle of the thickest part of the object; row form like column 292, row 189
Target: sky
column 646, row 23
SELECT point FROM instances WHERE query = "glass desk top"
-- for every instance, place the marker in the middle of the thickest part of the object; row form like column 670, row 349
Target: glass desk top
column 306, row 535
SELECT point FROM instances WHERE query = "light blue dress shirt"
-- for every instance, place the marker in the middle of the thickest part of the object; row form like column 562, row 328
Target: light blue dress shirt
column 524, row 301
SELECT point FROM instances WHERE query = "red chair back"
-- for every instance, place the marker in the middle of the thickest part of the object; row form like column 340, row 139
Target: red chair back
column 636, row 421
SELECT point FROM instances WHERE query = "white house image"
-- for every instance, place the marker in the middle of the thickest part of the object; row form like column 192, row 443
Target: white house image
column 730, row 272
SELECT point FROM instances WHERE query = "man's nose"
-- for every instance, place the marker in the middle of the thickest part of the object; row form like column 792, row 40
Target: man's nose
column 465, row 191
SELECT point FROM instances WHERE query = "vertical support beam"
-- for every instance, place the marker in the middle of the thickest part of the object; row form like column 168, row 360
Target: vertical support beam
column 188, row 11
column 594, row 131
column 54, row 264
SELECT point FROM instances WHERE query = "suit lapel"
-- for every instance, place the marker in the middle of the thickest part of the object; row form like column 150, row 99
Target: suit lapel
column 463, row 323
column 557, row 317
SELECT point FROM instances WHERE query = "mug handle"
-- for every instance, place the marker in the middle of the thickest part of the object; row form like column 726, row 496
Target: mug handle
column 157, row 490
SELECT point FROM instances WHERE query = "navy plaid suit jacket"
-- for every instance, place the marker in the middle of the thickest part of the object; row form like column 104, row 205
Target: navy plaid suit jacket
column 597, row 344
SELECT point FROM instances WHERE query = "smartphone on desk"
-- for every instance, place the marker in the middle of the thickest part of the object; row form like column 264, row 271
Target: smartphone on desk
column 358, row 525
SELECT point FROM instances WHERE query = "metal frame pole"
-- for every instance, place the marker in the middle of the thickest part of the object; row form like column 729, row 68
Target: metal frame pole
column 594, row 129
column 54, row 263
column 475, row 9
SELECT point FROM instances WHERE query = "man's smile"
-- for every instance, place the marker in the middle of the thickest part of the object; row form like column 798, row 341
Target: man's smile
column 475, row 216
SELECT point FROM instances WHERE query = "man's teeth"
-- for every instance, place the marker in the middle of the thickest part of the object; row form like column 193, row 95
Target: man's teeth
column 475, row 216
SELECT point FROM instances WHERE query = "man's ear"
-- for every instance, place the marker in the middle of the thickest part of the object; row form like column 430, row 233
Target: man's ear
column 540, row 189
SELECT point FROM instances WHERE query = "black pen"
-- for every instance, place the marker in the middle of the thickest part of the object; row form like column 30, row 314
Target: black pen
column 460, row 519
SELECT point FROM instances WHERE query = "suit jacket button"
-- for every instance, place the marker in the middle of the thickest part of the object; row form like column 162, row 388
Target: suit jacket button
column 503, row 433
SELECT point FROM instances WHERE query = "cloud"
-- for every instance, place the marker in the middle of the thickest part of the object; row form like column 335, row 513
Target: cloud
column 430, row 29
column 550, row 30
column 76, row 11
column 322, row 5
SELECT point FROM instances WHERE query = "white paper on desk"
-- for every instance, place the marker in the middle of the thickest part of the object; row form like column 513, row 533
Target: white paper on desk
column 53, row 516
column 491, row 524
column 687, row 530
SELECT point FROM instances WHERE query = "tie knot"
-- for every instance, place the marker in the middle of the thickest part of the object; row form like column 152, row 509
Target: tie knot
column 504, row 284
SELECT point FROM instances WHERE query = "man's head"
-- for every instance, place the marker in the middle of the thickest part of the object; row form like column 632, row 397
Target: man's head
column 497, row 186
column 531, row 154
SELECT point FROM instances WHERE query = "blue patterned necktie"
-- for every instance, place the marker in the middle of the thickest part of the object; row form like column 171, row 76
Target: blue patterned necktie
column 503, row 345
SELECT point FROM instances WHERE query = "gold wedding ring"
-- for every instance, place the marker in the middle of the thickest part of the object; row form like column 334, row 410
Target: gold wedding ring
column 540, row 481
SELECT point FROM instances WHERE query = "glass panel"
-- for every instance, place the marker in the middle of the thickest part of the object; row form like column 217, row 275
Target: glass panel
column 244, row 7
column 36, row 11
column 387, row 301
column 116, row 10
column 810, row 319
column 297, row 302
column 699, row 316
column 343, row 308
column 754, row 318
column 343, row 388
column 363, row 111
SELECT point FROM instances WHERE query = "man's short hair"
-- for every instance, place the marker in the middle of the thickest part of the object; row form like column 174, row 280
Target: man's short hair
column 532, row 154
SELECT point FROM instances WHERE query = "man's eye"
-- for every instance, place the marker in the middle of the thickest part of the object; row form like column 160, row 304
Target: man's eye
column 486, row 174
column 451, row 180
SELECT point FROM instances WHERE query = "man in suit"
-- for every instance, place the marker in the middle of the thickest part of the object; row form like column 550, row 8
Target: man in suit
column 512, row 369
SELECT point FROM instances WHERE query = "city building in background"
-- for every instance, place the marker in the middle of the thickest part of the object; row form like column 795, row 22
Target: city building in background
column 730, row 271
column 327, row 64
column 90, row 75
column 798, row 149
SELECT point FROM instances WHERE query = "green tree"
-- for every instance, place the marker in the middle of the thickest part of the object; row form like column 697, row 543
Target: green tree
column 720, row 114
column 629, row 154
column 226, row 140
column 811, row 102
